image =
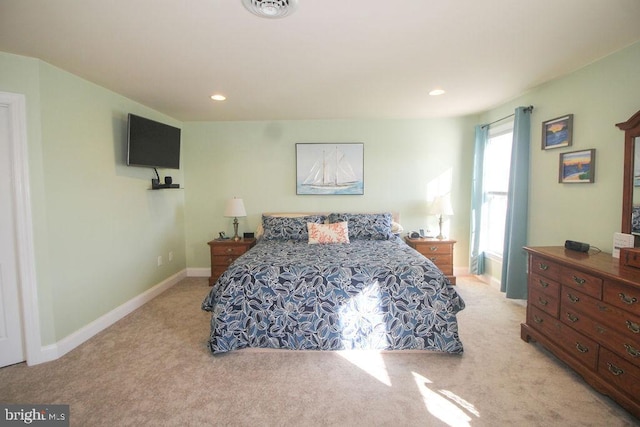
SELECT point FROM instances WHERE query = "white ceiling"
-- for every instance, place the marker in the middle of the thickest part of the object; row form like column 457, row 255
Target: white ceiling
column 332, row 59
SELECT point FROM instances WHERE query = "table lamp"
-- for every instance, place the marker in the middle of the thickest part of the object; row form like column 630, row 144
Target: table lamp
column 441, row 206
column 235, row 209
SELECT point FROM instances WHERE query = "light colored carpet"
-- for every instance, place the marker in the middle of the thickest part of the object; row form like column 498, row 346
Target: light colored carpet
column 153, row 368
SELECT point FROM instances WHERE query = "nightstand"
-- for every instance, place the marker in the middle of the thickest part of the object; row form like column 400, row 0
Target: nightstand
column 224, row 252
column 438, row 251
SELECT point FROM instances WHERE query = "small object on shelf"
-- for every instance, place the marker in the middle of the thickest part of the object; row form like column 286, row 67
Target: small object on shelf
column 155, row 185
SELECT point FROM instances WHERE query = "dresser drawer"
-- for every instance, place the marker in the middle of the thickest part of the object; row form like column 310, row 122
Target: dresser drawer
column 618, row 371
column 544, row 267
column 541, row 321
column 546, row 302
column 623, row 296
column 578, row 301
column 544, row 285
column 620, row 320
column 430, row 249
column 444, row 262
column 580, row 347
column 228, row 250
column 222, row 260
column 625, row 346
column 583, row 282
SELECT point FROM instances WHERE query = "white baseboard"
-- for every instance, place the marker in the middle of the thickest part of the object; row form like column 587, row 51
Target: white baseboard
column 198, row 272
column 68, row 343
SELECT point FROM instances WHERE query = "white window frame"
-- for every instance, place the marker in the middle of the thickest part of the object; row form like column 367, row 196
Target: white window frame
column 500, row 129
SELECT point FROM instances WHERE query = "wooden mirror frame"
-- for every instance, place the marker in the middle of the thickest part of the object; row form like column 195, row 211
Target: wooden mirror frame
column 631, row 130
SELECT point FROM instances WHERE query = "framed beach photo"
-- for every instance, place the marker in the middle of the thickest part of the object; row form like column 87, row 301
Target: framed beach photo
column 577, row 167
column 557, row 132
column 330, row 168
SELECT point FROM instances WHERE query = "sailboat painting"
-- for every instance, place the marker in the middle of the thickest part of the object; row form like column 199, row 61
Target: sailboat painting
column 323, row 168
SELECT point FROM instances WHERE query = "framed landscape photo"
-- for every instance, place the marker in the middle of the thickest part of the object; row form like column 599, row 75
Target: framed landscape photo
column 557, row 132
column 330, row 169
column 577, row 167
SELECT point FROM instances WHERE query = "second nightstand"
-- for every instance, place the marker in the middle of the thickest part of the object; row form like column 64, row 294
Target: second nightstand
column 224, row 252
column 438, row 251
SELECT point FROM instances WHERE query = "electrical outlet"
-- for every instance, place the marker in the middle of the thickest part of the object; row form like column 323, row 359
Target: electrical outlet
column 170, row 256
column 159, row 260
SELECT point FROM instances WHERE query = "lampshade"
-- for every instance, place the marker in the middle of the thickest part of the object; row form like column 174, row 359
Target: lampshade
column 441, row 205
column 235, row 208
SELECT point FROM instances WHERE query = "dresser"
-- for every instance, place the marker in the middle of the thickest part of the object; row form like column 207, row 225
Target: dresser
column 438, row 251
column 585, row 309
column 224, row 252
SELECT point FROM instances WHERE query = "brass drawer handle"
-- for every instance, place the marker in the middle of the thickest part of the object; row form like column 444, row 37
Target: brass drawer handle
column 543, row 267
column 614, row 369
column 578, row 280
column 434, row 259
column 574, row 299
column 543, row 283
column 229, row 250
column 543, row 301
column 538, row 319
column 572, row 318
column 633, row 327
column 632, row 351
column 625, row 299
column 433, row 248
column 581, row 348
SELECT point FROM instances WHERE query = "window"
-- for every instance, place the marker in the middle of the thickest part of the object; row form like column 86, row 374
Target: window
column 497, row 161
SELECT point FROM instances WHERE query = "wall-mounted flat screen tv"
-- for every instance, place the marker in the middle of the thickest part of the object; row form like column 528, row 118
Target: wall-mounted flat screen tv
column 152, row 144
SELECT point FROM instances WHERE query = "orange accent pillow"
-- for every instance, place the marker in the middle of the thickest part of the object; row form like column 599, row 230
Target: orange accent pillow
column 336, row 232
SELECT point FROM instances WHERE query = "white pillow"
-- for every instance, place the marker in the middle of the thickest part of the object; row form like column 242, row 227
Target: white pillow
column 396, row 228
column 337, row 232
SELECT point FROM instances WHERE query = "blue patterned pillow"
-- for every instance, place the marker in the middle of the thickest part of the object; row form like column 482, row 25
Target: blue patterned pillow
column 288, row 228
column 366, row 226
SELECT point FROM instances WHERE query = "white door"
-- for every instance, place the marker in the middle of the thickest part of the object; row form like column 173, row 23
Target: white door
column 11, row 338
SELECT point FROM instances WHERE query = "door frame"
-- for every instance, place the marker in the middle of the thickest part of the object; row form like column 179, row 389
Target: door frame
column 26, row 267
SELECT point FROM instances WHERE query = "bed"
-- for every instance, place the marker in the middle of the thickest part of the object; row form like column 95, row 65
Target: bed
column 339, row 281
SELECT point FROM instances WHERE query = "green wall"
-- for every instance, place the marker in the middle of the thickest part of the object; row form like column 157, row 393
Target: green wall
column 599, row 96
column 97, row 228
column 404, row 160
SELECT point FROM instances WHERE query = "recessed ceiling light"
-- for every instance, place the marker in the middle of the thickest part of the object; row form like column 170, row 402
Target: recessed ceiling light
column 436, row 92
column 218, row 97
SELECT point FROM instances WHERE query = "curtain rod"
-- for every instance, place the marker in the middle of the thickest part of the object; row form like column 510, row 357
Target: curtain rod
column 527, row 109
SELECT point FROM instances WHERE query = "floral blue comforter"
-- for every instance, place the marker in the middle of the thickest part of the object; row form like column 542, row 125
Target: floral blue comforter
column 367, row 294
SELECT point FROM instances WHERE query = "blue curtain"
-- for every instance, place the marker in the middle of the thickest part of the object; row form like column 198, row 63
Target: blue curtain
column 514, row 258
column 476, row 258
